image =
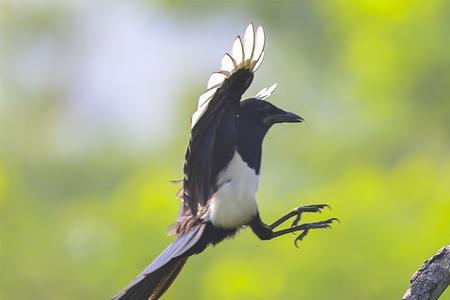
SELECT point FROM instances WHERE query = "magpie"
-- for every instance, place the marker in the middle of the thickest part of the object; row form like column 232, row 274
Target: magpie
column 221, row 169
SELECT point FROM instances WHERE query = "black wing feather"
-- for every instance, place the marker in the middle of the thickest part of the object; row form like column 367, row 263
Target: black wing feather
column 209, row 150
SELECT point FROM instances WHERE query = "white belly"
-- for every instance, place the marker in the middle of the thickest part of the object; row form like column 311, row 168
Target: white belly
column 234, row 203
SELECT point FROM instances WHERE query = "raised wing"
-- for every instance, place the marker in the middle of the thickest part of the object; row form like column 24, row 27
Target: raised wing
column 216, row 117
column 245, row 54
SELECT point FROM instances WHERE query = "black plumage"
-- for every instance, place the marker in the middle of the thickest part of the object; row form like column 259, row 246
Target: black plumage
column 207, row 155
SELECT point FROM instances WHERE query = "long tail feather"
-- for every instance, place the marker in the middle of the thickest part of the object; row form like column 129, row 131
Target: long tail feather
column 160, row 274
column 168, row 279
column 153, row 286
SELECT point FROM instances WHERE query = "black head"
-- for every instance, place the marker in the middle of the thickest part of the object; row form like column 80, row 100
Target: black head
column 254, row 121
column 259, row 115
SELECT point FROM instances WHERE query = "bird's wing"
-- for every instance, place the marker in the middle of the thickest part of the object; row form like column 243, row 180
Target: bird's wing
column 216, row 115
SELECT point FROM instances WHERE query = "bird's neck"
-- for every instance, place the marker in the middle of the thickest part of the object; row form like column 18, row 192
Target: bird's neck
column 250, row 148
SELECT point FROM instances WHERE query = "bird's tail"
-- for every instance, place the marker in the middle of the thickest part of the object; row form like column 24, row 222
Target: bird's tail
column 153, row 285
column 160, row 274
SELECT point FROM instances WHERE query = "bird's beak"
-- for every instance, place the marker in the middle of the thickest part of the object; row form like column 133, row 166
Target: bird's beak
column 283, row 117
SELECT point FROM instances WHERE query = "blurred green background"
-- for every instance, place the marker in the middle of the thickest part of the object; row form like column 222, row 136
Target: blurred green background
column 96, row 99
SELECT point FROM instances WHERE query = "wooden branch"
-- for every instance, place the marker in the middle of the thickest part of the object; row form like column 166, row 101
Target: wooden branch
column 430, row 281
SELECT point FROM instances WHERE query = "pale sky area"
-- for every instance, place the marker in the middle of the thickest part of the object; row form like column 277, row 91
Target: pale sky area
column 121, row 68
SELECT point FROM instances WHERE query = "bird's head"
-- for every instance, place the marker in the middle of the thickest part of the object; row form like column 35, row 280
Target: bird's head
column 259, row 115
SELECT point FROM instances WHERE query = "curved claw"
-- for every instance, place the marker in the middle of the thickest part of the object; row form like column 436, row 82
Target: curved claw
column 320, row 206
column 300, row 237
column 327, row 223
column 334, row 219
column 315, row 208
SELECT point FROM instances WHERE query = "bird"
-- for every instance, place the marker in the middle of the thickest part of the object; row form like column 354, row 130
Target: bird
column 222, row 169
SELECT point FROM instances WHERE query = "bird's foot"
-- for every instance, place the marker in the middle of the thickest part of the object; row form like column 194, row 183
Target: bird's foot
column 314, row 208
column 297, row 213
column 308, row 226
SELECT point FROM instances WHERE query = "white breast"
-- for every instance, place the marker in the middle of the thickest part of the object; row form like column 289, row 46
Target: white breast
column 234, row 203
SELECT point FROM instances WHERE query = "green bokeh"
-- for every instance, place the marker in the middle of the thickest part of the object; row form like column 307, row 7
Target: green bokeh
column 372, row 80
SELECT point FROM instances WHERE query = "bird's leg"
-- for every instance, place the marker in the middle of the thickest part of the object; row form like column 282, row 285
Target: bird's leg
column 265, row 232
column 297, row 212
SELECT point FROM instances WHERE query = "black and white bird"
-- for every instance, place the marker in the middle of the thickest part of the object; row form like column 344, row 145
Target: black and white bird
column 222, row 167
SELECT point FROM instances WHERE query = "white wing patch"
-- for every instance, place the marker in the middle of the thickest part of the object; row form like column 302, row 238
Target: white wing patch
column 246, row 53
column 215, row 79
column 266, row 92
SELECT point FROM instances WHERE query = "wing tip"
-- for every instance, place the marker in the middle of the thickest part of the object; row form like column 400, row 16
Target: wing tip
column 252, row 46
column 246, row 53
